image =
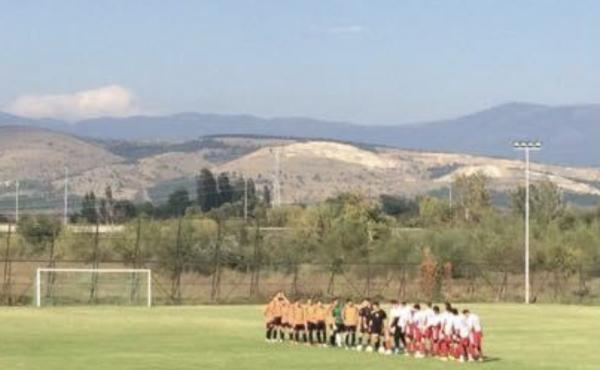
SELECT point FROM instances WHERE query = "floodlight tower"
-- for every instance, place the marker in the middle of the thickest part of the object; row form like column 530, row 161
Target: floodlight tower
column 276, row 180
column 527, row 146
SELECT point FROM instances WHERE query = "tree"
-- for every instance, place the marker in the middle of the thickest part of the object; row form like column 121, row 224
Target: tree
column 355, row 233
column 41, row 233
column 103, row 211
column 225, row 189
column 433, row 211
column 178, row 202
column 89, row 210
column 266, row 199
column 472, row 195
column 110, row 204
column 499, row 242
column 398, row 205
column 124, row 210
column 186, row 245
column 545, row 201
column 207, row 195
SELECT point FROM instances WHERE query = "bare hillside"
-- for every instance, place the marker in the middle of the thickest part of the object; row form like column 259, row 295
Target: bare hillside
column 308, row 170
column 32, row 153
column 313, row 170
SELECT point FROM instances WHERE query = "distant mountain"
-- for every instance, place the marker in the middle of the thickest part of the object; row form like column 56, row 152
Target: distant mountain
column 570, row 133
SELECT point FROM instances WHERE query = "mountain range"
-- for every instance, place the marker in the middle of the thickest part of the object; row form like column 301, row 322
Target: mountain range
column 570, row 133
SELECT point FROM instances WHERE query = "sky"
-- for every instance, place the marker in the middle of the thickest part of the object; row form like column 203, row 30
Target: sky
column 370, row 62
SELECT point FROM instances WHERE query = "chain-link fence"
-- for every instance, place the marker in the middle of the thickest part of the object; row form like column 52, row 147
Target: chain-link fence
column 251, row 283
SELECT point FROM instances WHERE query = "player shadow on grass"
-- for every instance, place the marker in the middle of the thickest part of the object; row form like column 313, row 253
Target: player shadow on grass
column 491, row 359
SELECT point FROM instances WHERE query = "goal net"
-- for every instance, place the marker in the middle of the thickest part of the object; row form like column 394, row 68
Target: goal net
column 71, row 286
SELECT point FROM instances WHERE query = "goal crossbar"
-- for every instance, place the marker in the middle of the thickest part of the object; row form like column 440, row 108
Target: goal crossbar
column 38, row 279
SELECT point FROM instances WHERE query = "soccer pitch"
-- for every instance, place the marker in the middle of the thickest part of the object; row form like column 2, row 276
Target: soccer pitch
column 232, row 337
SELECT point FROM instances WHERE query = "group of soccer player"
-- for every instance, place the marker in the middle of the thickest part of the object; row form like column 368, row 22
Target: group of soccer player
column 411, row 330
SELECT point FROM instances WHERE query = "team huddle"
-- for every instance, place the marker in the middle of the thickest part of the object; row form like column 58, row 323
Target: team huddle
column 409, row 329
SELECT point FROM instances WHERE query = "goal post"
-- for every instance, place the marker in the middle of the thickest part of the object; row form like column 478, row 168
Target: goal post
column 98, row 285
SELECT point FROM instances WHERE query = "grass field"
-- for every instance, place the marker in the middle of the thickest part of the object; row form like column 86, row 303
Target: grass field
column 231, row 337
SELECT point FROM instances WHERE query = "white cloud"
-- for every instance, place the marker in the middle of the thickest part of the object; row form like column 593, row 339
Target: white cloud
column 112, row 100
column 345, row 30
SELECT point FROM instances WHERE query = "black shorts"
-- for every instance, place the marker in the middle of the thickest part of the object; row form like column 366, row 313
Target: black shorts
column 376, row 329
column 351, row 328
column 299, row 327
column 276, row 321
column 364, row 329
column 340, row 328
column 312, row 326
column 286, row 325
column 321, row 325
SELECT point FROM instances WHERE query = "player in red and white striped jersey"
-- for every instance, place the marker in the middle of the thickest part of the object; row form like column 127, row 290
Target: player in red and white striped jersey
column 476, row 336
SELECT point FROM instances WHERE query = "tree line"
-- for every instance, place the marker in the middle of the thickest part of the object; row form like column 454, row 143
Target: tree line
column 212, row 191
column 426, row 239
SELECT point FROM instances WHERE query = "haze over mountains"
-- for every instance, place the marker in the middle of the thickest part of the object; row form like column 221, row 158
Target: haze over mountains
column 570, row 133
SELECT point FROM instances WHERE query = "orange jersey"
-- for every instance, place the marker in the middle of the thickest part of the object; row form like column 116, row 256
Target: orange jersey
column 268, row 312
column 350, row 315
column 311, row 313
column 298, row 315
column 286, row 313
column 321, row 313
column 277, row 309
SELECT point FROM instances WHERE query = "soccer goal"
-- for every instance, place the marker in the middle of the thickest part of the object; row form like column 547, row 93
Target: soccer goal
column 81, row 286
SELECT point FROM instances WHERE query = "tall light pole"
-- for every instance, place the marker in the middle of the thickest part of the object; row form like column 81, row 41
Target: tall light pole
column 66, row 197
column 527, row 146
column 17, row 201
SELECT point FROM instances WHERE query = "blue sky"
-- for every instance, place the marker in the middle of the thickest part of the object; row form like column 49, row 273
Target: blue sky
column 372, row 62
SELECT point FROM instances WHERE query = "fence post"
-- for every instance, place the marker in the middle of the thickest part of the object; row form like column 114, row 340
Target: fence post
column 176, row 278
column 7, row 281
column 95, row 262
column 38, row 289
column 216, row 279
column 254, row 278
column 51, row 264
column 149, row 288
column 137, row 263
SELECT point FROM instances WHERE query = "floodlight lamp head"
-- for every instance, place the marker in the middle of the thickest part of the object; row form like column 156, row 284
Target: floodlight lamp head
column 527, row 144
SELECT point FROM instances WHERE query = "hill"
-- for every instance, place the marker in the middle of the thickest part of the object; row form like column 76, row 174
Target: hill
column 568, row 132
column 309, row 170
column 33, row 153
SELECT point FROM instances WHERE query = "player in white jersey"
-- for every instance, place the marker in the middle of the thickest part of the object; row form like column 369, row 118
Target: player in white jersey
column 419, row 326
column 461, row 336
column 475, row 336
column 411, row 329
column 434, row 323
column 427, row 317
column 446, row 332
column 404, row 325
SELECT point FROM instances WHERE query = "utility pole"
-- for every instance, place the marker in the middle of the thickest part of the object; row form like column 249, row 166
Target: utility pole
column 245, row 199
column 17, row 201
column 66, row 197
column 276, row 182
column 527, row 146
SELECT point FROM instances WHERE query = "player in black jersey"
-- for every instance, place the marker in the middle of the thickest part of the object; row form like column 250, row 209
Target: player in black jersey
column 377, row 325
column 364, row 323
